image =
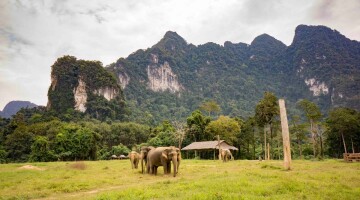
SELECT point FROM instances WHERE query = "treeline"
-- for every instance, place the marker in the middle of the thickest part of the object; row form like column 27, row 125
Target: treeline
column 38, row 135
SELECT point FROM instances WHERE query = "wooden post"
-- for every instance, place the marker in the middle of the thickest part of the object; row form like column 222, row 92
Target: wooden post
column 195, row 154
column 285, row 134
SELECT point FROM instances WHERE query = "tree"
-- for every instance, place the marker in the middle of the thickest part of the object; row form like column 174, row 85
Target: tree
column 163, row 135
column 313, row 115
column 40, row 150
column 180, row 131
column 210, row 107
column 265, row 113
column 343, row 122
column 227, row 128
column 18, row 144
column 196, row 124
column 299, row 131
column 246, row 137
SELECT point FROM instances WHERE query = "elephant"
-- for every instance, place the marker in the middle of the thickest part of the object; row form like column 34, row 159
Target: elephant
column 225, row 155
column 163, row 156
column 143, row 156
column 178, row 159
column 134, row 159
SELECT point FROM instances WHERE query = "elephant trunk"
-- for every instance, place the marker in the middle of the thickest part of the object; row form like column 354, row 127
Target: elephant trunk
column 174, row 160
column 142, row 163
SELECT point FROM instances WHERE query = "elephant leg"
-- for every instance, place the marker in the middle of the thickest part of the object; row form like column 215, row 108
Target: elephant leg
column 148, row 168
column 169, row 167
column 164, row 164
column 155, row 170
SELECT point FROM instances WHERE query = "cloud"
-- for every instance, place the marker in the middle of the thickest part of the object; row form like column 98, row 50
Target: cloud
column 33, row 34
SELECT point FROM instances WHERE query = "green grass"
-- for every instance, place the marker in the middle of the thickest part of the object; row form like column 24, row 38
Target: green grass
column 197, row 179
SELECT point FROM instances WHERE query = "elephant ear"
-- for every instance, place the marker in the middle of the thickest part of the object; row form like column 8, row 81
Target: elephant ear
column 165, row 153
column 178, row 150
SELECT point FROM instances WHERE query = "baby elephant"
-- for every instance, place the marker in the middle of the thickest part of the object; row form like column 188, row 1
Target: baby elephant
column 226, row 154
column 134, row 159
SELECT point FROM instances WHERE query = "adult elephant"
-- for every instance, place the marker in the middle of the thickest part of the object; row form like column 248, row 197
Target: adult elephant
column 163, row 156
column 226, row 154
column 134, row 159
column 143, row 156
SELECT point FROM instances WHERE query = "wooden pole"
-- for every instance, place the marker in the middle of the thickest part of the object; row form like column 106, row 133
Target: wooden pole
column 268, row 151
column 285, row 134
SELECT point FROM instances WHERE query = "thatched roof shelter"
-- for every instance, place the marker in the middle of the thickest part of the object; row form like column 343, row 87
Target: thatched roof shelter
column 209, row 145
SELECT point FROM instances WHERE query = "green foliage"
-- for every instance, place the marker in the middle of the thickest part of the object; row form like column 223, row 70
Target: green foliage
column 210, row 107
column 40, row 150
column 343, row 127
column 311, row 110
column 18, row 144
column 120, row 150
column 267, row 109
column 197, row 123
column 76, row 143
column 226, row 127
column 163, row 135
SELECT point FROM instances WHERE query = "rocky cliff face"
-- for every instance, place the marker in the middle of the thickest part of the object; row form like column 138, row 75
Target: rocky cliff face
column 84, row 86
column 108, row 93
column 80, row 96
column 162, row 78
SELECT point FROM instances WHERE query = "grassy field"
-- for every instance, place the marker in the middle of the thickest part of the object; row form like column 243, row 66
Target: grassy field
column 197, row 179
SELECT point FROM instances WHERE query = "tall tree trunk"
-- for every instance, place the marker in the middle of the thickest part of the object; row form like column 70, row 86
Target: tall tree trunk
column 313, row 136
column 300, row 149
column 321, row 144
column 254, row 145
column 352, row 145
column 265, row 143
column 342, row 135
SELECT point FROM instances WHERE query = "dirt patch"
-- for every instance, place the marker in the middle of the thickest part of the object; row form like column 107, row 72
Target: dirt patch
column 31, row 167
column 78, row 165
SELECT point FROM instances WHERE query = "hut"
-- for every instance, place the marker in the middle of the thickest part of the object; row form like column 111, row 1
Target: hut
column 208, row 146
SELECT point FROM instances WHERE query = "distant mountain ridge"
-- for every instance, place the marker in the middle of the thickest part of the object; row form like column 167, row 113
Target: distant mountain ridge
column 172, row 78
column 13, row 107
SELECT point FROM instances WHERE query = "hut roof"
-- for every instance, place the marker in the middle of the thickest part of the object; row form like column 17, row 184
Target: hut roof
column 209, row 145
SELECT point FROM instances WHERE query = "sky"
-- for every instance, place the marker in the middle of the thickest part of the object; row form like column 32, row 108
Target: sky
column 34, row 33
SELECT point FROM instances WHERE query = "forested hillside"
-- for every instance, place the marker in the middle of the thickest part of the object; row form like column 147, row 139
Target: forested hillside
column 172, row 78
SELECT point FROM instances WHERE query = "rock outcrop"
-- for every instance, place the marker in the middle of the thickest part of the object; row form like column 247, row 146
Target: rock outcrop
column 162, row 78
column 80, row 96
column 108, row 93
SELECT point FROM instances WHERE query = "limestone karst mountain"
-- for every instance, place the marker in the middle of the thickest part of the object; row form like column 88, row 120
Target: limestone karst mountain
column 84, row 86
column 170, row 79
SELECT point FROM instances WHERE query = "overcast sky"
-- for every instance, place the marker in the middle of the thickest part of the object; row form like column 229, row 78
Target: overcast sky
column 34, row 33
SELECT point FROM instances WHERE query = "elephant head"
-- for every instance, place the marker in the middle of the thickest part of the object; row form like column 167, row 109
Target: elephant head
column 170, row 154
column 144, row 152
column 226, row 154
